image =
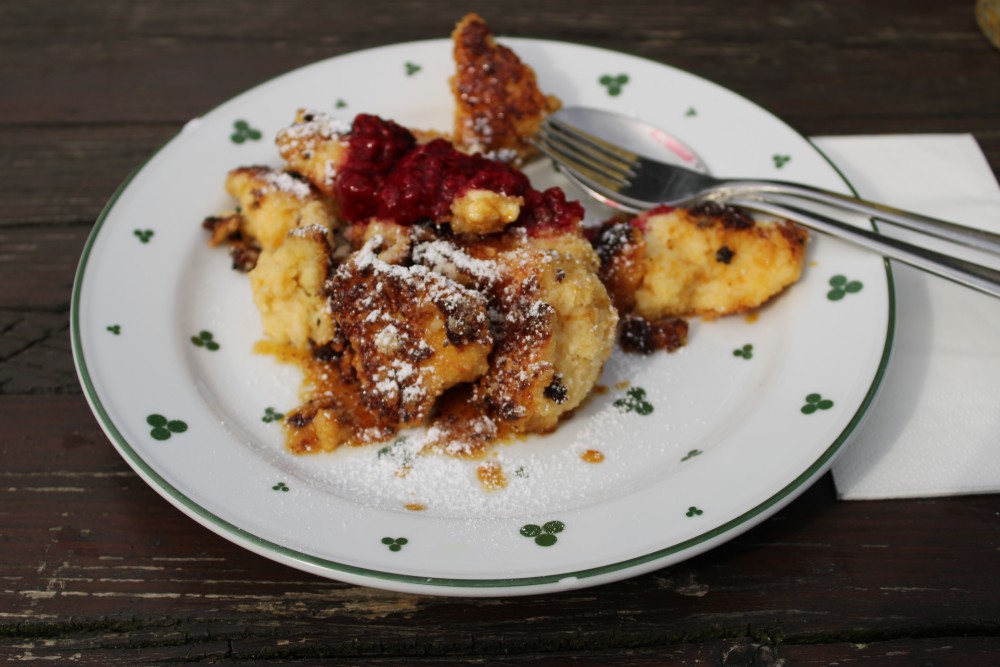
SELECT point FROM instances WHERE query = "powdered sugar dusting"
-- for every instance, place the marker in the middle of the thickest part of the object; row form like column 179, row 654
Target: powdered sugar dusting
column 546, row 475
column 285, row 182
column 449, row 260
column 314, row 125
column 439, row 284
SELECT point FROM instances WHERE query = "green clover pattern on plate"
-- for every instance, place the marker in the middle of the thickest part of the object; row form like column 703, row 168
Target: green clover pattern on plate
column 242, row 132
column 614, row 83
column 840, row 287
column 544, row 535
column 395, row 543
column 163, row 428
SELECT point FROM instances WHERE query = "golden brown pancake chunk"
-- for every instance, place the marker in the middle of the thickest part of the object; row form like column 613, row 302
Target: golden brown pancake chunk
column 314, row 147
column 583, row 327
column 710, row 260
column 553, row 323
column 498, row 104
column 413, row 333
column 335, row 417
column 273, row 202
column 288, row 285
column 621, row 248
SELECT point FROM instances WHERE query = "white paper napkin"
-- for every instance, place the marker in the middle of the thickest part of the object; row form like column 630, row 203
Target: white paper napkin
column 934, row 429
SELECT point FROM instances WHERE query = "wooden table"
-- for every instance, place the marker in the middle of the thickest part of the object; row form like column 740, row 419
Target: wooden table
column 95, row 567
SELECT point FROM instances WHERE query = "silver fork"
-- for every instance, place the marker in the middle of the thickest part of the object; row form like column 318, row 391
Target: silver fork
column 631, row 182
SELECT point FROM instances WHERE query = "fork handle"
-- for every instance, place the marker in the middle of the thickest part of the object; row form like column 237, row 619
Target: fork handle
column 976, row 276
column 942, row 229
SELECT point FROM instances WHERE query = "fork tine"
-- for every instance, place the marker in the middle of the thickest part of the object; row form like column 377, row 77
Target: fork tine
column 579, row 165
column 594, row 183
column 574, row 167
column 586, row 142
column 581, row 154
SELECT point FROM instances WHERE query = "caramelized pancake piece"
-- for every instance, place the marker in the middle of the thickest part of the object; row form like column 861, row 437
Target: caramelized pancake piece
column 333, row 413
column 498, row 104
column 314, row 146
column 395, row 242
column 462, row 426
column 413, row 333
column 288, row 289
column 272, row 203
column 324, row 423
column 554, row 326
column 228, row 229
column 584, row 325
column 713, row 260
column 621, row 248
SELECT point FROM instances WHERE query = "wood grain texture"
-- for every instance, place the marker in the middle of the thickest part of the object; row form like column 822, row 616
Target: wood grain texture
column 97, row 569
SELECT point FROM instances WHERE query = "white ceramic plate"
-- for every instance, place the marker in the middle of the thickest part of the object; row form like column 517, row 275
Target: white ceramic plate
column 698, row 446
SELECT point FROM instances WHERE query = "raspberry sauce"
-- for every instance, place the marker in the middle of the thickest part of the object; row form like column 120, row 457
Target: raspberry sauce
column 389, row 176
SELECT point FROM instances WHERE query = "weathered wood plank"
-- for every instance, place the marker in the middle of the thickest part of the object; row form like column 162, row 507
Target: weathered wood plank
column 939, row 651
column 66, row 173
column 37, row 265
